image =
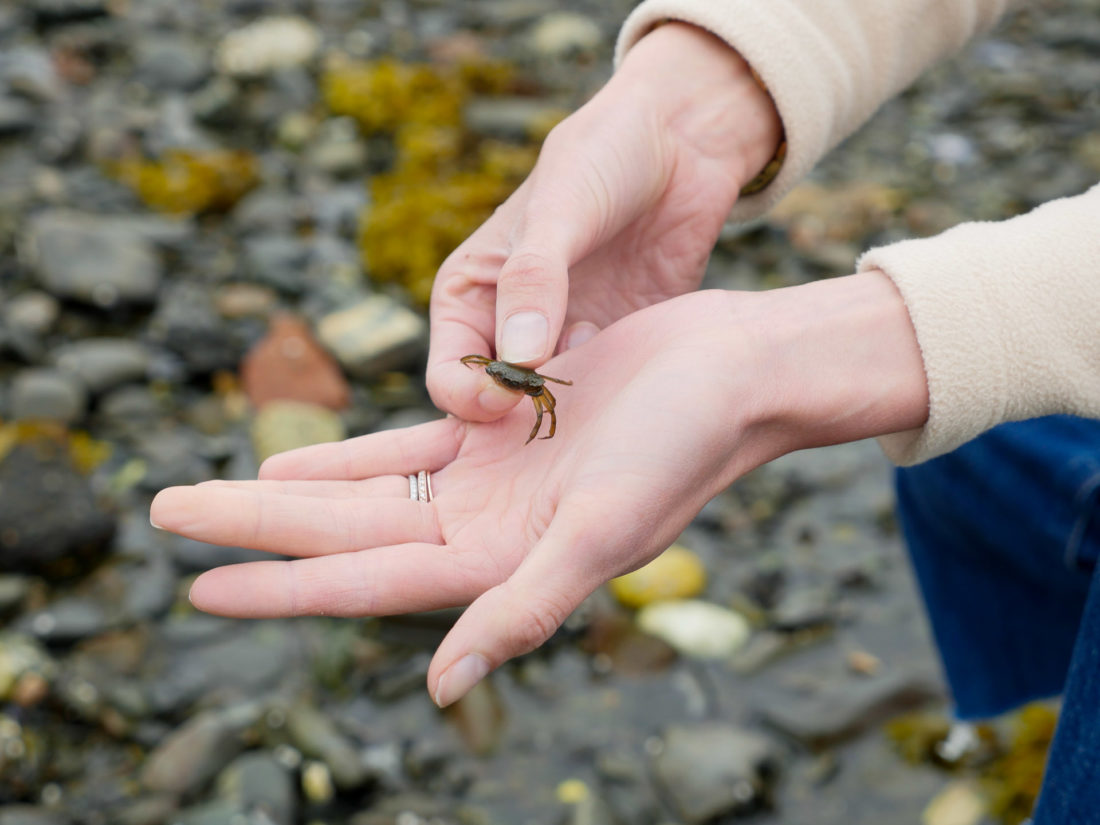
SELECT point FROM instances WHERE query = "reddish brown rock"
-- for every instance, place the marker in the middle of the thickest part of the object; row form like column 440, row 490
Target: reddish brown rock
column 289, row 364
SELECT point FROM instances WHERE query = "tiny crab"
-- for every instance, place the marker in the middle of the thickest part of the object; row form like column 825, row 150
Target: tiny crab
column 521, row 379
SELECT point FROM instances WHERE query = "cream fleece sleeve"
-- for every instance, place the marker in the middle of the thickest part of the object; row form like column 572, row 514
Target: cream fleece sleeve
column 1007, row 316
column 829, row 64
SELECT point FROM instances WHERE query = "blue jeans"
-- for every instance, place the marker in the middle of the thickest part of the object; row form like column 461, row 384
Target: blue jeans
column 1004, row 534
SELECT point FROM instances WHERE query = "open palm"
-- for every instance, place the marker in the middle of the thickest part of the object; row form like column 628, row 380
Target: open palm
column 524, row 533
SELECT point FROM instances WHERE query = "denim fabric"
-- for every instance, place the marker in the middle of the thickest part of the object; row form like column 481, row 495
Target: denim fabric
column 1004, row 535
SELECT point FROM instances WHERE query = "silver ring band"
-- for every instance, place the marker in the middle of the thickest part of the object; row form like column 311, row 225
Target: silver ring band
column 420, row 486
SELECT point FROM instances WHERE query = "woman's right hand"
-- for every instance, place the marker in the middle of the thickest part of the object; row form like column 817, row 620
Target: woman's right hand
column 621, row 212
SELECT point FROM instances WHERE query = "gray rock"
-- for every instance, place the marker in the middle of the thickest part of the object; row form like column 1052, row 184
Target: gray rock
column 194, row 753
column 129, row 409
column 66, row 620
column 33, row 311
column 260, row 785
column 15, row 116
column 269, row 211
column 565, row 33
column 847, row 707
column 337, row 149
column 104, row 363
column 150, row 589
column 336, row 210
column 277, row 260
column 187, row 323
column 246, row 661
column 218, row 812
column 218, row 103
column 373, row 336
column 32, row 815
column 314, row 733
column 50, row 517
column 510, row 118
column 715, row 770
column 88, row 259
column 13, row 590
column 172, row 459
column 30, row 72
column 171, row 63
column 48, row 394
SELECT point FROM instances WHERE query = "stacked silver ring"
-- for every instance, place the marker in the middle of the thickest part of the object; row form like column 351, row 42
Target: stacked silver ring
column 420, row 486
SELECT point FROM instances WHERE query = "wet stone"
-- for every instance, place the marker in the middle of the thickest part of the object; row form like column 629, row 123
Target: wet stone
column 171, row 64
column 269, row 211
column 32, row 815
column 847, row 707
column 286, row 425
column 30, row 72
column 187, row 323
column 87, row 259
column 13, row 590
column 76, row 530
column 259, row 785
column 104, row 363
column 15, row 116
column 716, row 770
column 193, row 754
column 279, row 261
column 289, row 364
column 564, row 33
column 315, row 734
column 45, row 394
column 375, row 335
column 67, row 620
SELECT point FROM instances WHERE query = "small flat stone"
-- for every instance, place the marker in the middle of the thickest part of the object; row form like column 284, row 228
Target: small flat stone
column 289, row 364
column 316, row 735
column 696, row 628
column 84, row 258
column 268, row 44
column 104, row 363
column 259, row 783
column 675, row 574
column 844, row 709
column 564, row 33
column 77, row 529
column 373, row 336
column 286, row 425
column 715, row 770
column 15, row 116
column 46, row 394
column 193, row 754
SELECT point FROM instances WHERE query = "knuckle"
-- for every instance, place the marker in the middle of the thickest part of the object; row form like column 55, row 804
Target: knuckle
column 539, row 619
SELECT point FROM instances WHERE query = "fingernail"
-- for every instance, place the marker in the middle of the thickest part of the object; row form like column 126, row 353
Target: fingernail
column 153, row 523
column 457, row 680
column 524, row 337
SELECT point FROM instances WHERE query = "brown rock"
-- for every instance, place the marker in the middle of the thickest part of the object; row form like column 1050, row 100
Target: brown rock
column 289, row 364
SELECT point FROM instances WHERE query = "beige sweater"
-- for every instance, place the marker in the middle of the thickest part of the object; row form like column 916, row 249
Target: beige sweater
column 1007, row 314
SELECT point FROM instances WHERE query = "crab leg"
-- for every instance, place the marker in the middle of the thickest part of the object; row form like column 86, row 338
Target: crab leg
column 537, row 400
column 550, row 403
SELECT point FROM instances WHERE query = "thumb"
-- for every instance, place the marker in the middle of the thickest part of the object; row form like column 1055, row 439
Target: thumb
column 570, row 210
column 511, row 619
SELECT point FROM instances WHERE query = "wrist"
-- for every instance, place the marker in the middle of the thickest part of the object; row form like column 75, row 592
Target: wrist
column 845, row 360
column 707, row 95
